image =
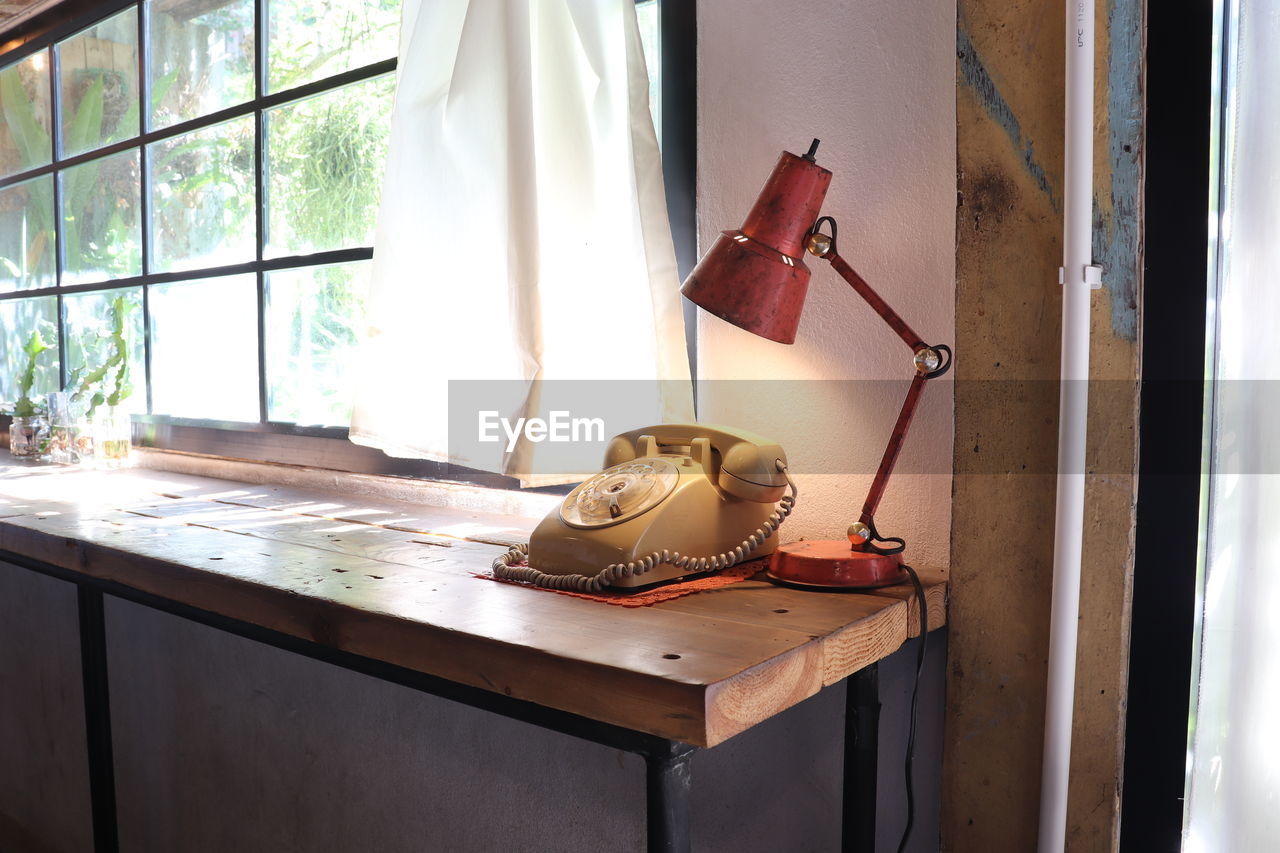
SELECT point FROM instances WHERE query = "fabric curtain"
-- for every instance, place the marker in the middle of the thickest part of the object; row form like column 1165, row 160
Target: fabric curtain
column 1233, row 780
column 523, row 246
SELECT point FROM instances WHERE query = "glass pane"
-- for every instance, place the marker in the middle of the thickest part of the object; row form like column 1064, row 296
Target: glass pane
column 651, row 38
column 325, row 161
column 310, row 40
column 24, row 114
column 202, row 197
column 19, row 318
column 204, row 349
column 98, row 84
column 26, row 235
column 104, row 348
column 313, row 319
column 200, row 58
column 101, row 233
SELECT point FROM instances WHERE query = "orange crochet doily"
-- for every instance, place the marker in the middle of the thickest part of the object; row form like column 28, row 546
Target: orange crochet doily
column 724, row 577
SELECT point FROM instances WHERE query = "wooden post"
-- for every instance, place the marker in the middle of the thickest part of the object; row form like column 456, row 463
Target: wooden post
column 1008, row 230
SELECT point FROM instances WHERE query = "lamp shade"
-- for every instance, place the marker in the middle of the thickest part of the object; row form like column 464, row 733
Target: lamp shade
column 755, row 277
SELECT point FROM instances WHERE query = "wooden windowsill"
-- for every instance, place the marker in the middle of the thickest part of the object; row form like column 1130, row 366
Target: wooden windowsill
column 397, row 581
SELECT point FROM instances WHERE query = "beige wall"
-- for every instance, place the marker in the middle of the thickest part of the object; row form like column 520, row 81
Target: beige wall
column 875, row 81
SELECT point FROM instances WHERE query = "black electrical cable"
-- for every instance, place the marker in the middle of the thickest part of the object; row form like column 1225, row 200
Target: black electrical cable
column 915, row 694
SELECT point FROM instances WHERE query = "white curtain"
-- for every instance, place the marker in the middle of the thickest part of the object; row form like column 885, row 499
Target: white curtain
column 1233, row 790
column 523, row 237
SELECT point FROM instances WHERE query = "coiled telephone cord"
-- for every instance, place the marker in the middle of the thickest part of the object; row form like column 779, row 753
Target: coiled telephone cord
column 503, row 568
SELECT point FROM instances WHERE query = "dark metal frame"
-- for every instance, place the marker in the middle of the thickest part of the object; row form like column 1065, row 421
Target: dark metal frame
column 668, row 763
column 861, row 759
column 274, row 441
column 97, row 717
column 1179, row 73
column 678, row 27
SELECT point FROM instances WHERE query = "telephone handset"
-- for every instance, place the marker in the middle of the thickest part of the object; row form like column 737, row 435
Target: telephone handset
column 673, row 500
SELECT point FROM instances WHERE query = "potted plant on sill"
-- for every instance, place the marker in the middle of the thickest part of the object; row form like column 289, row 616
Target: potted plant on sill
column 29, row 429
column 103, row 432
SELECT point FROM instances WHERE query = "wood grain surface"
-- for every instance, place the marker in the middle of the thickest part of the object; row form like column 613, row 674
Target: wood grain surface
column 1009, row 148
column 397, row 582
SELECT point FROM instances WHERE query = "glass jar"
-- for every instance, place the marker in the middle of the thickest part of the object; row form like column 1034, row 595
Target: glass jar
column 112, row 438
column 27, row 436
column 59, row 449
column 83, row 446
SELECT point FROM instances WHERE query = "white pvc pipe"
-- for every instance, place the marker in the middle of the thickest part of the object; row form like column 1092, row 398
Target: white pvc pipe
column 1077, row 257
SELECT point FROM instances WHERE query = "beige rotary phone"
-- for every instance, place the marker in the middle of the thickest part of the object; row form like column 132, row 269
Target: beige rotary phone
column 673, row 500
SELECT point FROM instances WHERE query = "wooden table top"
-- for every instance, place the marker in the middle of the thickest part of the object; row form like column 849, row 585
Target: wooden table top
column 396, row 582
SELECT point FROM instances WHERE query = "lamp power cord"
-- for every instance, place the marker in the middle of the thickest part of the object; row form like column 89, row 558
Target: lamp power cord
column 512, row 565
column 915, row 695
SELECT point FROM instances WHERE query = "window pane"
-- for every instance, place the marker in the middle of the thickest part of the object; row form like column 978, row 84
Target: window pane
column 313, row 318
column 325, row 161
column 98, row 83
column 101, row 233
column 311, row 39
column 24, row 114
column 26, row 235
column 202, row 197
column 97, row 325
column 204, row 349
column 18, row 319
column 200, row 58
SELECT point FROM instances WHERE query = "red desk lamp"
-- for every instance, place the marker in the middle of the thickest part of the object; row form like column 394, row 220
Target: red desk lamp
column 756, row 279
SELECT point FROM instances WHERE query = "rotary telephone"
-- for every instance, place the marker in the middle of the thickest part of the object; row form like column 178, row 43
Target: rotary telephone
column 673, row 500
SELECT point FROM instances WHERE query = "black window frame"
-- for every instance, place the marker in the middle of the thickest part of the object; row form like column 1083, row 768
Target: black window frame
column 1179, row 75
column 288, row 443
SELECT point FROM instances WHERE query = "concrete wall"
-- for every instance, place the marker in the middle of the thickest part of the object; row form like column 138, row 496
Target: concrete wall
column 1010, row 58
column 875, row 81
column 224, row 744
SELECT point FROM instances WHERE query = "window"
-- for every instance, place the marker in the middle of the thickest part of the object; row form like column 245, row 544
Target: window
column 215, row 178
column 210, row 171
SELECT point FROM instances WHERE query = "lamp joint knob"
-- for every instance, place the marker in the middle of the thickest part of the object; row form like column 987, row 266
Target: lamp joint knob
column 818, row 244
column 927, row 360
column 859, row 534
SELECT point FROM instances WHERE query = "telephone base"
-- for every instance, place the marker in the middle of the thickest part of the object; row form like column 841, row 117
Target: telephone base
column 832, row 565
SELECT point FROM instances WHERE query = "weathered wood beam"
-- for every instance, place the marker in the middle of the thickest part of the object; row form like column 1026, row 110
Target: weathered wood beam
column 1008, row 307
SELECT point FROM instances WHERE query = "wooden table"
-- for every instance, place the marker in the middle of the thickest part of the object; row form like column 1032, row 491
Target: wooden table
column 391, row 589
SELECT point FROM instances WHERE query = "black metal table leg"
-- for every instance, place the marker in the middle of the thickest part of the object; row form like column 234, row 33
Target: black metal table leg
column 97, row 715
column 861, row 750
column 668, row 782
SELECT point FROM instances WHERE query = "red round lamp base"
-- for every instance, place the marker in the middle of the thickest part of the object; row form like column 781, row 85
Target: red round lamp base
column 832, row 565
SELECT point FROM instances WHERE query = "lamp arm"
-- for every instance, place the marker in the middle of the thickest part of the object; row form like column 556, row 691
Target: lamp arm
column 923, row 374
column 890, row 457
column 849, row 274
